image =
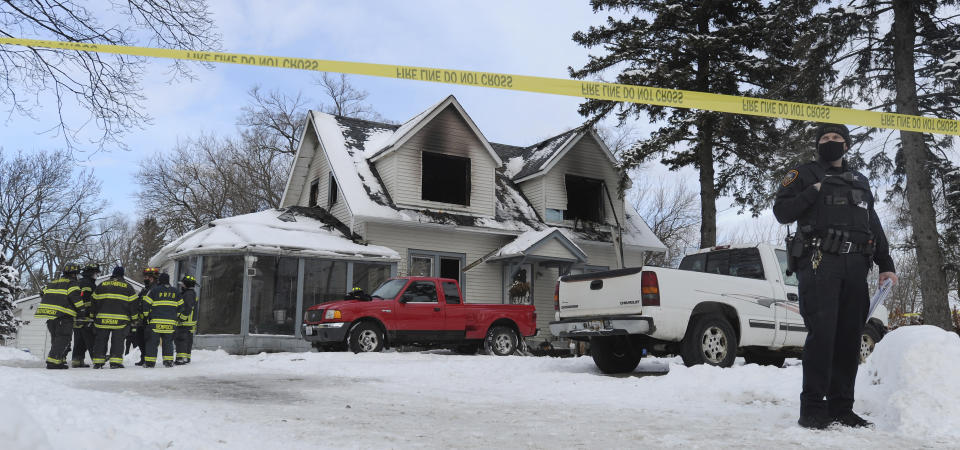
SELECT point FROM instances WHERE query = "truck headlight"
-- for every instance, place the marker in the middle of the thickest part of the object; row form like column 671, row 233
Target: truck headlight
column 332, row 314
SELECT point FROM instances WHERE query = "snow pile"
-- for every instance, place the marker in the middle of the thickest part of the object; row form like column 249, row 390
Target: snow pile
column 909, row 382
column 13, row 354
column 18, row 428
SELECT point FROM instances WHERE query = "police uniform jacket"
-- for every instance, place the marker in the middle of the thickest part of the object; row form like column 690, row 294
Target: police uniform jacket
column 163, row 308
column 59, row 298
column 113, row 304
column 87, row 286
column 843, row 203
column 188, row 318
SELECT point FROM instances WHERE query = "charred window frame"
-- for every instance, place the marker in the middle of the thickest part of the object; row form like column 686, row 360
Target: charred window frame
column 584, row 199
column 333, row 192
column 314, row 192
column 445, row 178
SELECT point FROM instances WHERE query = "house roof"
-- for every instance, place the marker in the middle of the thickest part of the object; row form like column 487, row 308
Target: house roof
column 527, row 242
column 524, row 163
column 289, row 231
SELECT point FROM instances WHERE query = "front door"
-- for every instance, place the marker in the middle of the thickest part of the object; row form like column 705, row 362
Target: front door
column 419, row 314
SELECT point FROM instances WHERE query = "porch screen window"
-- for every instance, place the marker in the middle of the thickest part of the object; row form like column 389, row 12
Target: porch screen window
column 584, row 199
column 323, row 281
column 219, row 309
column 273, row 296
column 445, row 178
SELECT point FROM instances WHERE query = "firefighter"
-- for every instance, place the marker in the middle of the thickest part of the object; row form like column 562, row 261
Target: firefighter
column 83, row 329
column 138, row 329
column 59, row 303
column 113, row 303
column 357, row 294
column 162, row 308
column 183, row 336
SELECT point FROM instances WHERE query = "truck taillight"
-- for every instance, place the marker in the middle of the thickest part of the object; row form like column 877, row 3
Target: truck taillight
column 649, row 289
column 556, row 297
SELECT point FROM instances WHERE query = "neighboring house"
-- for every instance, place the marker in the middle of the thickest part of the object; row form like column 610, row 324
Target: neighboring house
column 504, row 220
column 32, row 335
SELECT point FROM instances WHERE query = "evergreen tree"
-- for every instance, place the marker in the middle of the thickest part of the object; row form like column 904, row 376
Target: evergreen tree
column 912, row 68
column 150, row 238
column 724, row 47
column 9, row 289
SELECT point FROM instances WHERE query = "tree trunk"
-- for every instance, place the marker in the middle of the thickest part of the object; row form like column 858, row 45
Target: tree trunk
column 705, row 125
column 933, row 279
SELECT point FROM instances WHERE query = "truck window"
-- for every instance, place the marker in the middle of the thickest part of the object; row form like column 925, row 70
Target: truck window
column 718, row 262
column 389, row 289
column 696, row 262
column 421, row 292
column 787, row 280
column 746, row 263
column 451, row 293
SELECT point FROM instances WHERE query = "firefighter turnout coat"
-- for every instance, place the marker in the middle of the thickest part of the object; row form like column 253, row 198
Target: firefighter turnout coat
column 113, row 303
column 163, row 308
column 59, row 298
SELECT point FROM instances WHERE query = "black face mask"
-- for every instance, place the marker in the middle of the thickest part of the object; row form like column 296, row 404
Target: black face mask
column 830, row 151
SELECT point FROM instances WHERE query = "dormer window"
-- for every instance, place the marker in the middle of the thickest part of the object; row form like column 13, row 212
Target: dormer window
column 332, row 193
column 445, row 178
column 314, row 192
column 584, row 199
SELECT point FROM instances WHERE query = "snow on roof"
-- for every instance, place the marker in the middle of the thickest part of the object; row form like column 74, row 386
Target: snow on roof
column 522, row 162
column 350, row 143
column 526, row 240
column 637, row 233
column 272, row 231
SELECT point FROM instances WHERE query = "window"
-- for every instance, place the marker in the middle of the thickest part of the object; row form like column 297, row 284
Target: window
column 518, row 289
column 718, row 262
column 421, row 292
column 696, row 262
column 746, row 263
column 323, row 281
column 584, row 199
column 445, row 178
column 554, row 215
column 368, row 276
column 451, row 293
column 186, row 266
column 273, row 295
column 788, row 280
column 220, row 307
column 332, row 192
column 389, row 290
column 314, row 192
column 425, row 263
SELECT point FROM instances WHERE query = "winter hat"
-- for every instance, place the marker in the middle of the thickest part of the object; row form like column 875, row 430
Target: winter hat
column 164, row 278
column 117, row 272
column 825, row 128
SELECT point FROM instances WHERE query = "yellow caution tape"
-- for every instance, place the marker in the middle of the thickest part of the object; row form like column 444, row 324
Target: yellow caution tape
column 558, row 86
column 910, row 314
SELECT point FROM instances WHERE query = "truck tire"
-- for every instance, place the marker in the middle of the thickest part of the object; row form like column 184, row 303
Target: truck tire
column 871, row 335
column 365, row 337
column 710, row 340
column 764, row 359
column 500, row 341
column 613, row 354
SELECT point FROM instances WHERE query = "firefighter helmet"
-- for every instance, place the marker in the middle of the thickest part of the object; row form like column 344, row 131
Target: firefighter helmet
column 71, row 268
column 188, row 281
column 91, row 268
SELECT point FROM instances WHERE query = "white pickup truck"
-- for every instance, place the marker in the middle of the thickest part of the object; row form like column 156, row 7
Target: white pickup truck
column 721, row 302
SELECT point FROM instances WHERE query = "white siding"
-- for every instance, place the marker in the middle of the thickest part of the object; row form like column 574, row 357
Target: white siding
column 482, row 284
column 32, row 336
column 599, row 254
column 585, row 159
column 450, row 134
column 319, row 169
column 553, row 249
column 387, row 168
column 299, row 187
column 533, row 190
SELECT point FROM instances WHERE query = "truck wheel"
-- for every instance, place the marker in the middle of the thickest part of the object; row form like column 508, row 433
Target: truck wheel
column 764, row 360
column 709, row 340
column 365, row 337
column 871, row 335
column 500, row 341
column 613, row 354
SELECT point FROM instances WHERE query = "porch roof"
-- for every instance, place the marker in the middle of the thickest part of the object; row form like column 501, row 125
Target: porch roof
column 543, row 245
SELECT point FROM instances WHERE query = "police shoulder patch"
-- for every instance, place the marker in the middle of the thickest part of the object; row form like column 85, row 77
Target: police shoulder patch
column 791, row 176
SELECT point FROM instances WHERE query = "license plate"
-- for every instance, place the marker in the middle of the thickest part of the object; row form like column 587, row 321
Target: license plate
column 593, row 325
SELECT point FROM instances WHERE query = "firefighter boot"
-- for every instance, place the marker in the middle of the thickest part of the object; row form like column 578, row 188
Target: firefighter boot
column 57, row 366
column 148, row 365
column 180, row 361
column 114, row 365
column 98, row 366
column 168, row 364
column 77, row 364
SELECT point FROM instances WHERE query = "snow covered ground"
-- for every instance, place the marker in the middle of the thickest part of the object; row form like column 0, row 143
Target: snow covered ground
column 437, row 399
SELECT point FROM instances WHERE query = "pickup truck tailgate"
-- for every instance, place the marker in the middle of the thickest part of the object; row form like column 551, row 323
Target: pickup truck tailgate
column 601, row 293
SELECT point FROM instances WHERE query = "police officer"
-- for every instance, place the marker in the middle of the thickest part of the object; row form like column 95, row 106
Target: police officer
column 839, row 234
column 138, row 329
column 83, row 329
column 59, row 303
column 113, row 303
column 183, row 335
column 162, row 309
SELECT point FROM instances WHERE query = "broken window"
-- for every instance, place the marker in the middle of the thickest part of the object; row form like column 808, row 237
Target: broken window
column 332, row 192
column 314, row 192
column 445, row 178
column 584, row 199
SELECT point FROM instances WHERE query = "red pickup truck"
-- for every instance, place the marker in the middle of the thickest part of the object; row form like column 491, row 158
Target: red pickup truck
column 420, row 311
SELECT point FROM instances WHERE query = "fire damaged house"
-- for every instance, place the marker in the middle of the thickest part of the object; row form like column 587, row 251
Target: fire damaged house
column 432, row 197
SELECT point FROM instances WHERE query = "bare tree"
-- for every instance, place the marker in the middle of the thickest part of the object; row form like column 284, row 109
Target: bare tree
column 345, row 100
column 671, row 210
column 106, row 85
column 115, row 242
column 272, row 122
